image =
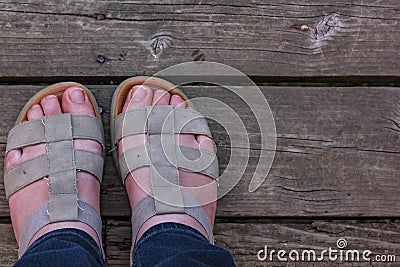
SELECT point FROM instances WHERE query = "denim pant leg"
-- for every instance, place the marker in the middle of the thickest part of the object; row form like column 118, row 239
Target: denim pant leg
column 64, row 247
column 173, row 244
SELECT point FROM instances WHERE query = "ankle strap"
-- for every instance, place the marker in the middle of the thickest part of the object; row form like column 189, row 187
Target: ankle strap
column 40, row 218
column 146, row 209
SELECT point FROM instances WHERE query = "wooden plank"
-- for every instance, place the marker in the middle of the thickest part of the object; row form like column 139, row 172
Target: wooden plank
column 8, row 245
column 262, row 38
column 245, row 240
column 337, row 152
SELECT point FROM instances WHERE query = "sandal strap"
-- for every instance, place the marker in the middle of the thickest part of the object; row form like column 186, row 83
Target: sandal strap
column 61, row 161
column 40, row 218
column 186, row 121
column 189, row 159
column 146, row 209
column 60, row 164
column 37, row 131
column 34, row 169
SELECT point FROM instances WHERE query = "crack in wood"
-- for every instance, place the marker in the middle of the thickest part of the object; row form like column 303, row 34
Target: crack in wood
column 309, row 190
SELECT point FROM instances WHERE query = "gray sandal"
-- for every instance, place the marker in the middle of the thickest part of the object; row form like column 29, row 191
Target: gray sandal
column 161, row 154
column 60, row 164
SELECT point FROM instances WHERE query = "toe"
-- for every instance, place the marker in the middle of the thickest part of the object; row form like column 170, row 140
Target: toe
column 139, row 97
column 177, row 101
column 76, row 101
column 13, row 158
column 50, row 105
column 205, row 143
column 29, row 152
column 186, row 140
column 35, row 113
column 161, row 97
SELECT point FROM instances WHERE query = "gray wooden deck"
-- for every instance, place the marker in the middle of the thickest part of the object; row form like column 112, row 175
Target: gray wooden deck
column 329, row 70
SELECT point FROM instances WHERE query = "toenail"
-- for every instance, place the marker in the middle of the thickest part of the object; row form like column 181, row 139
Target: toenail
column 140, row 93
column 76, row 95
column 50, row 97
column 36, row 106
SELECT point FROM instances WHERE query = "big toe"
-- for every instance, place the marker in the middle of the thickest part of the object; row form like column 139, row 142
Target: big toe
column 139, row 96
column 75, row 100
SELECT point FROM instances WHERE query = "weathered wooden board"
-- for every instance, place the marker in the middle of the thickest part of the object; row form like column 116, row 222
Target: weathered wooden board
column 262, row 38
column 8, row 245
column 245, row 240
column 337, row 152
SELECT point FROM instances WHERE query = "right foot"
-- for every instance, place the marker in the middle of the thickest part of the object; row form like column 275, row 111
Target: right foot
column 138, row 184
column 26, row 200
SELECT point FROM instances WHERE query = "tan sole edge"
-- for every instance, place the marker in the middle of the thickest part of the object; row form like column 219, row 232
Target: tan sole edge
column 57, row 90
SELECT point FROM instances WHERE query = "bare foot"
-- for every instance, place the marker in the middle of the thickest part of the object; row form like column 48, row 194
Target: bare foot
column 25, row 201
column 138, row 183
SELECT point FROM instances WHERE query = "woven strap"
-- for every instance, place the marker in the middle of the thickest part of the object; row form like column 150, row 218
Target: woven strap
column 32, row 170
column 164, row 157
column 186, row 121
column 40, row 218
column 189, row 159
column 60, row 164
column 146, row 209
column 33, row 132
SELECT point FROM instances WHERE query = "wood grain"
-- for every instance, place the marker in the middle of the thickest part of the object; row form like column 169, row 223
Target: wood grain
column 337, row 152
column 8, row 245
column 262, row 38
column 246, row 239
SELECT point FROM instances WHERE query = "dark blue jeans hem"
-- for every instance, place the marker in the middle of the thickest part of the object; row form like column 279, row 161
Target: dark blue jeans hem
column 63, row 247
column 170, row 227
column 166, row 244
column 174, row 244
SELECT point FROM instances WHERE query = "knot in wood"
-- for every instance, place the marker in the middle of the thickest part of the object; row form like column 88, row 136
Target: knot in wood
column 326, row 26
column 160, row 43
